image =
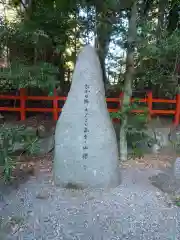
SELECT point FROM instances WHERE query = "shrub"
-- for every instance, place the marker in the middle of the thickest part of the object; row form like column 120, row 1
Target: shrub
column 9, row 136
column 136, row 129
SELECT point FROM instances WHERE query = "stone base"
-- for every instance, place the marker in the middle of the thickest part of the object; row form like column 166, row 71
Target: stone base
column 97, row 182
column 166, row 183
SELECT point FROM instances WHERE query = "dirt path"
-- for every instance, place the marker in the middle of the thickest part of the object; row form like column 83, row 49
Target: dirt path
column 135, row 210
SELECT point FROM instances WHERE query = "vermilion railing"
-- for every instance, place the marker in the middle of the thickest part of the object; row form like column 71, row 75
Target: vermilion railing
column 148, row 100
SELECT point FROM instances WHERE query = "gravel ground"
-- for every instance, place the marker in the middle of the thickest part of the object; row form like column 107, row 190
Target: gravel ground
column 135, row 210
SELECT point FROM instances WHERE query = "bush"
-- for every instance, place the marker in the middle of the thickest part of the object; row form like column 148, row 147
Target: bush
column 9, row 136
column 136, row 129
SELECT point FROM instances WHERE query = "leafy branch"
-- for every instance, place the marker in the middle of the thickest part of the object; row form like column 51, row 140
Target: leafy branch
column 9, row 137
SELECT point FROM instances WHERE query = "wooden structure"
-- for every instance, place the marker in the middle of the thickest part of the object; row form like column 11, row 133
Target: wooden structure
column 148, row 100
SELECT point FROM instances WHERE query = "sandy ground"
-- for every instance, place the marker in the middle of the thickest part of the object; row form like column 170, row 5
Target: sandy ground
column 134, row 210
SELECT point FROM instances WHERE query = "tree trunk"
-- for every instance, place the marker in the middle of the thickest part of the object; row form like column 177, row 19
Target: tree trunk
column 161, row 16
column 128, row 81
column 160, row 28
column 104, row 31
column 173, row 17
column 105, row 20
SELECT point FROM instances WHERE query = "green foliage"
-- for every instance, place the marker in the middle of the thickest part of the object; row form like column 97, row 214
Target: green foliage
column 27, row 67
column 20, row 75
column 37, row 44
column 9, row 137
column 136, row 129
column 48, row 30
column 157, row 60
column 177, row 200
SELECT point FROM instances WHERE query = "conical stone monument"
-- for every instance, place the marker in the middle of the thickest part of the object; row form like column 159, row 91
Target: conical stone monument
column 86, row 152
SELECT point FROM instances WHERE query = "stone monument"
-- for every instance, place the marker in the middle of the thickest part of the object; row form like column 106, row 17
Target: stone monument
column 86, row 152
column 177, row 168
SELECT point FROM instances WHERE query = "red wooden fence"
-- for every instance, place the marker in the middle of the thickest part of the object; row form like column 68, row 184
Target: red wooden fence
column 149, row 100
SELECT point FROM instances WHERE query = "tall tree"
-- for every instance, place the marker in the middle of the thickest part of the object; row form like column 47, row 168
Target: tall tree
column 162, row 7
column 173, row 18
column 131, row 43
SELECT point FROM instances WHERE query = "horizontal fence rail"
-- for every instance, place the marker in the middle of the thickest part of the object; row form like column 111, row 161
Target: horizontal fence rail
column 148, row 100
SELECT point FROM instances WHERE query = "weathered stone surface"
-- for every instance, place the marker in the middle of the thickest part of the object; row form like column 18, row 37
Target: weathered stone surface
column 44, row 132
column 46, row 145
column 86, row 152
column 177, row 168
column 174, row 135
column 165, row 182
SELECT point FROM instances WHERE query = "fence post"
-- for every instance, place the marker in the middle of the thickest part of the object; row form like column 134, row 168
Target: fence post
column 23, row 103
column 55, row 105
column 149, row 103
column 177, row 114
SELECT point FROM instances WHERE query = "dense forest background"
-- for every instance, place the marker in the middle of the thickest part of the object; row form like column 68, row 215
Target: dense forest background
column 40, row 40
